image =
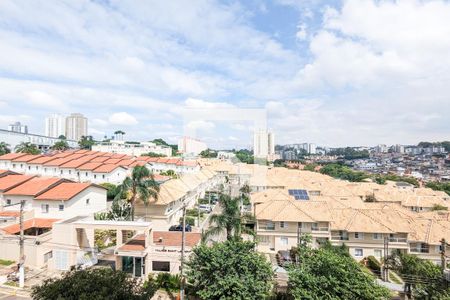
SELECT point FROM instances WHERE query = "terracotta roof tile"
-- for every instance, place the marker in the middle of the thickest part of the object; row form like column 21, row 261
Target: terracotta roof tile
column 10, row 213
column 106, row 168
column 100, row 159
column 64, row 191
column 11, row 181
column 42, row 160
column 162, row 160
column 117, row 155
column 173, row 238
column 82, row 151
column 27, row 158
column 90, row 166
column 57, row 162
column 34, row 186
column 63, row 154
column 35, row 222
column 11, row 156
column 126, row 162
column 112, row 161
column 137, row 243
column 76, row 162
column 172, row 161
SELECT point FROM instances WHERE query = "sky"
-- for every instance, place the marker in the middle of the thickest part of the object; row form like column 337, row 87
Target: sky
column 334, row 73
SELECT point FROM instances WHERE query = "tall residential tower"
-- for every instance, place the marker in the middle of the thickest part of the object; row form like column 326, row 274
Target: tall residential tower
column 76, row 126
column 55, row 125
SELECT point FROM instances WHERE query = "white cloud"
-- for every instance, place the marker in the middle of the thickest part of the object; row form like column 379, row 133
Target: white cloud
column 200, row 125
column 198, row 103
column 43, row 99
column 122, row 118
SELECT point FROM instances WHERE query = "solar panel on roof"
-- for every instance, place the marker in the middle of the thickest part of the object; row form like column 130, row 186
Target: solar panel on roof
column 299, row 194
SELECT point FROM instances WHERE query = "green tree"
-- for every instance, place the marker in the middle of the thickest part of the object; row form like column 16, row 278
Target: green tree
column 229, row 270
column 343, row 172
column 439, row 186
column 229, row 220
column 27, row 147
column 62, row 137
column 208, row 153
column 326, row 273
column 86, row 142
column 245, row 156
column 424, row 276
column 141, row 185
column 89, row 284
column 61, row 145
column 310, row 167
column 4, row 148
column 153, row 154
column 170, row 173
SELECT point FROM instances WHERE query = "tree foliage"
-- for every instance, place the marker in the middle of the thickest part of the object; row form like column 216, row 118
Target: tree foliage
column 140, row 186
column 343, row 172
column 86, row 142
column 229, row 270
column 208, row 153
column 153, row 154
column 4, row 148
column 424, row 276
column 230, row 220
column 93, row 284
column 381, row 179
column 439, row 186
column 245, row 156
column 28, row 148
column 327, row 273
column 61, row 145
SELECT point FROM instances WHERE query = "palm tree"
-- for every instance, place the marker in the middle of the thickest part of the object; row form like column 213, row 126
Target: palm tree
column 4, row 148
column 27, row 147
column 141, row 185
column 229, row 220
column 61, row 145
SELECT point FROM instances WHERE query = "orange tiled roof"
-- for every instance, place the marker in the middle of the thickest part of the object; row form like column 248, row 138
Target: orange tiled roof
column 57, row 162
column 172, row 161
column 173, row 238
column 11, row 156
column 112, row 161
column 106, row 168
column 27, row 158
column 126, row 162
column 10, row 213
column 11, row 181
column 63, row 154
column 117, row 155
column 100, row 159
column 64, row 191
column 34, row 186
column 6, row 172
column 76, row 162
column 42, row 160
column 163, row 160
column 135, row 244
column 90, row 166
column 187, row 163
column 82, row 151
column 35, row 222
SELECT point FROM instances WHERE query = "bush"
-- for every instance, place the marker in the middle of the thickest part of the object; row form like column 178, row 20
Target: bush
column 112, row 190
column 103, row 283
column 373, row 264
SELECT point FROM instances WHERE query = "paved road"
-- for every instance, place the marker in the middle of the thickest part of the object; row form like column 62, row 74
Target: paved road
column 4, row 296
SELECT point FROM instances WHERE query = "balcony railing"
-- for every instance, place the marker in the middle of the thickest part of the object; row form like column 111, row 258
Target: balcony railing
column 397, row 240
column 339, row 238
column 419, row 250
column 319, row 228
column 267, row 228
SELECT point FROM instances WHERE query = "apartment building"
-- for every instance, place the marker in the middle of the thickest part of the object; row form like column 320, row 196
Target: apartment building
column 132, row 149
column 76, row 126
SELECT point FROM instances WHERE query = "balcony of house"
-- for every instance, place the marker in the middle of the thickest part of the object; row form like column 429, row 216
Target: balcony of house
column 131, row 256
column 419, row 248
column 339, row 236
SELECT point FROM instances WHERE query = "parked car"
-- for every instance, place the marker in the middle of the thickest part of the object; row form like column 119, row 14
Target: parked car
column 188, row 228
column 205, row 208
column 283, row 257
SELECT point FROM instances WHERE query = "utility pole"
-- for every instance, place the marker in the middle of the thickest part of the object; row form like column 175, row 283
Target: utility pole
column 22, row 250
column 443, row 256
column 385, row 265
column 182, row 253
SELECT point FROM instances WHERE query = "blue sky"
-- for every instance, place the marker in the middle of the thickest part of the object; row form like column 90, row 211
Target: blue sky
column 356, row 72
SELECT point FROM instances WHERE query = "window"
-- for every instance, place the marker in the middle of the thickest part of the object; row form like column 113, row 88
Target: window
column 359, row 235
column 162, row 266
column 95, row 176
column 36, row 167
column 48, row 256
column 283, row 224
column 377, row 252
column 270, row 226
column 359, row 252
column 377, row 236
column 103, row 176
column 29, row 167
column 88, row 201
column 70, row 172
column 61, row 172
column 44, row 208
column 263, row 239
column 8, row 201
column 314, row 226
column 86, row 174
column 61, row 207
column 284, row 240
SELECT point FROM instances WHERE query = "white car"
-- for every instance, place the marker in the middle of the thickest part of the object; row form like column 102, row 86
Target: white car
column 205, row 208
